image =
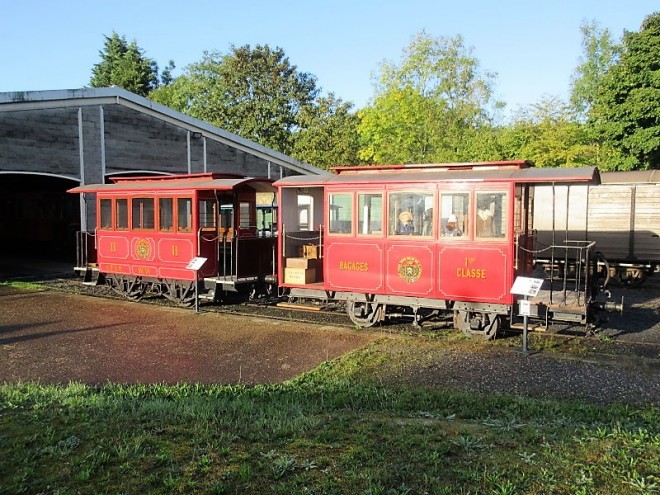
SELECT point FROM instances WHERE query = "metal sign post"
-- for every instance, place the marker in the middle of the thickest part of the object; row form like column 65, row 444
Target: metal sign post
column 196, row 264
column 526, row 287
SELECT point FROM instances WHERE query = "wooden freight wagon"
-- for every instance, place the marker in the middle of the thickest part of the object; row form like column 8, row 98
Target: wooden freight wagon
column 621, row 215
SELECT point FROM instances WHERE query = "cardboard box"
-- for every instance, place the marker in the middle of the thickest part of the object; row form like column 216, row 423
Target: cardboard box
column 309, row 251
column 303, row 263
column 299, row 276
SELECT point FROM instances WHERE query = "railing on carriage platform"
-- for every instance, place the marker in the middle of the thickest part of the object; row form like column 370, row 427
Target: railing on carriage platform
column 85, row 249
column 571, row 266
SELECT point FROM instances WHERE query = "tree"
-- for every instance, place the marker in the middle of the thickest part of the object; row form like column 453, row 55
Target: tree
column 124, row 64
column 327, row 133
column 255, row 93
column 548, row 134
column 599, row 54
column 626, row 110
column 430, row 107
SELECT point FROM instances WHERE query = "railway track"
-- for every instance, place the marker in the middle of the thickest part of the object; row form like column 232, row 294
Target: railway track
column 561, row 338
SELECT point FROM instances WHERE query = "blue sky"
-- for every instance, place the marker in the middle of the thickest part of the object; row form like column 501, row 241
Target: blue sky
column 533, row 46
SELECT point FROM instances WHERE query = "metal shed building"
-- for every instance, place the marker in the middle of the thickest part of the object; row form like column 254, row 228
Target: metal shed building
column 51, row 141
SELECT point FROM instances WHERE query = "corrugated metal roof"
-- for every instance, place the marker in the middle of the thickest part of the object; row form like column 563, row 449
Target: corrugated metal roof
column 524, row 175
column 32, row 100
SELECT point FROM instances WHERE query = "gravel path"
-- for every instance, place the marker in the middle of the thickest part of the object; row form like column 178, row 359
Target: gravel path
column 503, row 370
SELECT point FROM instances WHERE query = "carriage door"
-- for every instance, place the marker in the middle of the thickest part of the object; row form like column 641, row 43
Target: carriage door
column 523, row 229
column 208, row 233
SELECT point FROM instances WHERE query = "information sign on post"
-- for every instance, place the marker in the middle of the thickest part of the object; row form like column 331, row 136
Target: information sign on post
column 196, row 264
column 526, row 287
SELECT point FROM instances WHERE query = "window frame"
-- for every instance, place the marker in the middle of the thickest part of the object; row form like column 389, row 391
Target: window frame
column 358, row 214
column 418, row 218
column 171, row 211
column 329, row 210
column 467, row 230
column 190, row 214
column 102, row 216
column 118, row 216
column 504, row 215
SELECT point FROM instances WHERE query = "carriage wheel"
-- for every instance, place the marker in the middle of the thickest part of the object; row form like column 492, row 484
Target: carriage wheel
column 631, row 277
column 131, row 288
column 364, row 314
column 179, row 293
column 477, row 324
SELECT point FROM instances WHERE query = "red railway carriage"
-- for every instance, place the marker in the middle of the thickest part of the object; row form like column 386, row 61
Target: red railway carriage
column 419, row 239
column 149, row 229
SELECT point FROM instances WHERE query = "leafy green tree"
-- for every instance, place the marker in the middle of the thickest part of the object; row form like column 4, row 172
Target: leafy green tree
column 625, row 114
column 124, row 64
column 431, row 107
column 327, row 133
column 548, row 134
column 599, row 53
column 255, row 93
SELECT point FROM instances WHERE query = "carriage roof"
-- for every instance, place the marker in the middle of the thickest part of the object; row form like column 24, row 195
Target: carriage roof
column 505, row 171
column 206, row 181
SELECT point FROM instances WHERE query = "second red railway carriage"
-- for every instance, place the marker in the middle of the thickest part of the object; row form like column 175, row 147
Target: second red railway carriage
column 415, row 240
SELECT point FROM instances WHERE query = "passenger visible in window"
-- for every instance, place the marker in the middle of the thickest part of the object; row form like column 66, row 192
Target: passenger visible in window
column 451, row 227
column 485, row 215
column 406, row 226
column 427, row 228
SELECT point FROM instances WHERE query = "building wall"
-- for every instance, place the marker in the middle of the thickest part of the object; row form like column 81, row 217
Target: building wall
column 115, row 139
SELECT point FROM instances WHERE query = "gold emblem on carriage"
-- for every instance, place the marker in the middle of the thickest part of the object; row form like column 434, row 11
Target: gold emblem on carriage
column 142, row 249
column 410, row 269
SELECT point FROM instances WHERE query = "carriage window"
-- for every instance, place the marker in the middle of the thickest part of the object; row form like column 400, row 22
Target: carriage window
column 165, row 214
column 184, row 214
column 340, row 207
column 207, row 213
column 490, row 219
column 143, row 213
column 121, row 214
column 244, row 215
column 370, row 214
column 411, row 213
column 106, row 213
column 227, row 216
column 454, row 214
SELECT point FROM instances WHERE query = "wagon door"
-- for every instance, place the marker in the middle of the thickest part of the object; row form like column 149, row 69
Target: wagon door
column 524, row 236
column 208, row 233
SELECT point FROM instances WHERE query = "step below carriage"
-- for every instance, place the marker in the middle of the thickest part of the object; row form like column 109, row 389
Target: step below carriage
column 413, row 241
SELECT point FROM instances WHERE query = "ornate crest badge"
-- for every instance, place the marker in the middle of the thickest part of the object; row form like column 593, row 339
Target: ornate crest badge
column 142, row 249
column 410, row 269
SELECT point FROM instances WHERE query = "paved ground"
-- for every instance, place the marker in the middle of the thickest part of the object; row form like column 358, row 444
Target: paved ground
column 56, row 337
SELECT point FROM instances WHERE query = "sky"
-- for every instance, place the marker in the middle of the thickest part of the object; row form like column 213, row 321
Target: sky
column 533, row 46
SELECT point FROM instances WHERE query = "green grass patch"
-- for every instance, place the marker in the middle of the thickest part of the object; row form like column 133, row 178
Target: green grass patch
column 18, row 284
column 336, row 430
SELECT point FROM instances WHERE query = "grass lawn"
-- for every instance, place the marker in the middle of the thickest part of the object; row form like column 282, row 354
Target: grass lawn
column 335, row 430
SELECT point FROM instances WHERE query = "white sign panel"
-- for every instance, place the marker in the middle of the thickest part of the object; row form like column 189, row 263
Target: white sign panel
column 196, row 263
column 524, row 308
column 526, row 286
